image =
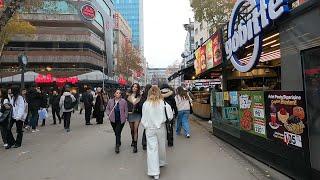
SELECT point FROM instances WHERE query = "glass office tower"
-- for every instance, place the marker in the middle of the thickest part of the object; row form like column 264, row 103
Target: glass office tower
column 132, row 11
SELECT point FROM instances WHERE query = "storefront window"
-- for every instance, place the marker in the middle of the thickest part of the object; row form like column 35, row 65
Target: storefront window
column 99, row 19
column 312, row 88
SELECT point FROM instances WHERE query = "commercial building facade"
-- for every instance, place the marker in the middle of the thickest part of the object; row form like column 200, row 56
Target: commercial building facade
column 132, row 11
column 65, row 43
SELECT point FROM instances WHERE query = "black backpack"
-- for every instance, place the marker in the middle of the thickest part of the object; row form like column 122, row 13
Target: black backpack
column 68, row 103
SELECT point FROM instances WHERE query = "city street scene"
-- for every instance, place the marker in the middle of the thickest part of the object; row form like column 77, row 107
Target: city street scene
column 170, row 89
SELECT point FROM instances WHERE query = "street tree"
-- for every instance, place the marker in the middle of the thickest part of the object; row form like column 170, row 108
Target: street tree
column 129, row 60
column 10, row 22
column 15, row 26
column 215, row 12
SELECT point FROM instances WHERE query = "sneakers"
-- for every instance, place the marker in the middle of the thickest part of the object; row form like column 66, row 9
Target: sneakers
column 5, row 145
column 188, row 136
column 35, row 130
column 67, row 130
column 156, row 177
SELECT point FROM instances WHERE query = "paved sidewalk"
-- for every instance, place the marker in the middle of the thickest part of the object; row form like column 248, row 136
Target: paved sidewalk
column 87, row 152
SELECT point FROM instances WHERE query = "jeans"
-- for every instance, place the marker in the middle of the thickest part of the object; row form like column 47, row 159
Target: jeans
column 10, row 138
column 87, row 114
column 34, row 119
column 4, row 131
column 56, row 111
column 66, row 120
column 183, row 120
column 117, row 128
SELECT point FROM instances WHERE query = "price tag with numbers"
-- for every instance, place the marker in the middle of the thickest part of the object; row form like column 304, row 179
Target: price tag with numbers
column 260, row 129
column 258, row 113
column 292, row 139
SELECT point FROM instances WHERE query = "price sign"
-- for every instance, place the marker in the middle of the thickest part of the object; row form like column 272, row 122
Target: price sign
column 260, row 129
column 258, row 113
column 245, row 102
column 292, row 139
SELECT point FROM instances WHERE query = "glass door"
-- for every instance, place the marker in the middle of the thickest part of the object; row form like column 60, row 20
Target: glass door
column 311, row 62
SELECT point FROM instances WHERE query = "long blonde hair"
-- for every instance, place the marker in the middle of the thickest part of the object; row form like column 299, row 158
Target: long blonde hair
column 154, row 95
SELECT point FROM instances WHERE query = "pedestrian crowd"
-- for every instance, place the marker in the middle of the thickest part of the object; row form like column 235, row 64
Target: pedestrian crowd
column 155, row 108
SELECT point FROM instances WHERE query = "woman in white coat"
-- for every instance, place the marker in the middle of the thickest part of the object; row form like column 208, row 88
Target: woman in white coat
column 155, row 112
column 18, row 105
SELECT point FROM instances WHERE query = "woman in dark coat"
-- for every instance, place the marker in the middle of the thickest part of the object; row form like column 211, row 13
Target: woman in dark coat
column 5, row 115
column 99, row 107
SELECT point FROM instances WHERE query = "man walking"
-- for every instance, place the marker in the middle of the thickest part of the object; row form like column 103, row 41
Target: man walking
column 67, row 103
column 54, row 101
column 87, row 99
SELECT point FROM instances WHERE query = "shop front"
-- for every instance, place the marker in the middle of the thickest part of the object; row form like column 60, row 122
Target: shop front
column 270, row 80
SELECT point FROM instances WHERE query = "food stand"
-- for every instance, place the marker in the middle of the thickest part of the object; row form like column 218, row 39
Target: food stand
column 270, row 79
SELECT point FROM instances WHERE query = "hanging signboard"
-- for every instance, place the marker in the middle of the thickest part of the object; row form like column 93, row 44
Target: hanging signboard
column 88, row 12
column 251, row 112
column 1, row 3
column 286, row 117
column 209, row 55
column 263, row 14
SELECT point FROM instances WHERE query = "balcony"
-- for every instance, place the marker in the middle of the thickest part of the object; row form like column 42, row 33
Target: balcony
column 54, row 55
column 63, row 34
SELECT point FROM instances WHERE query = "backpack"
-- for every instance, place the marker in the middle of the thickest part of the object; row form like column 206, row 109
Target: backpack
column 68, row 103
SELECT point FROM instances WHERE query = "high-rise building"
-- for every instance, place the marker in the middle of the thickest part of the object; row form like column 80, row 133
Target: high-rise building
column 132, row 11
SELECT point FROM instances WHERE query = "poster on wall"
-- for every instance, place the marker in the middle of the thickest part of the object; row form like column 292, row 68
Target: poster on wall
column 251, row 112
column 219, row 99
column 233, row 97
column 286, row 117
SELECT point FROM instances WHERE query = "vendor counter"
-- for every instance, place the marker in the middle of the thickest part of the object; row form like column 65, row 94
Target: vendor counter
column 201, row 110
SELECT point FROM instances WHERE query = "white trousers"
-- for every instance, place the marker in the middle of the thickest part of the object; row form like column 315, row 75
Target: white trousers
column 156, row 150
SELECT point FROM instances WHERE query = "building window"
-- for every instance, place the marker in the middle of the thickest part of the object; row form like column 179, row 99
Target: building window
column 201, row 26
column 201, row 41
column 196, row 31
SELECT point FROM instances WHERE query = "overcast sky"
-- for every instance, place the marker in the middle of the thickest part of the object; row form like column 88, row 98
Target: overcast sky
column 164, row 35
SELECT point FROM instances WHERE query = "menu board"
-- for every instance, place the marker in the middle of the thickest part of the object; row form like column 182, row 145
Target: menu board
column 286, row 117
column 208, row 55
column 197, row 62
column 251, row 112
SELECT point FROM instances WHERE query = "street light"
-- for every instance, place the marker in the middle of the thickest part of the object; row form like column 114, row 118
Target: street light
column 23, row 61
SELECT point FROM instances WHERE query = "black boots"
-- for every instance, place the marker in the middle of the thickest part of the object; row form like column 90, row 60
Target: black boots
column 135, row 148
column 117, row 149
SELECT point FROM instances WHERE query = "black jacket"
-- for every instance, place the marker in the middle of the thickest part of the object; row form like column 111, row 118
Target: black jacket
column 34, row 100
column 54, row 101
column 168, row 96
column 87, row 99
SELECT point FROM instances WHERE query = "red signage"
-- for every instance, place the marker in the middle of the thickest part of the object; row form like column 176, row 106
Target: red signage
column 46, row 79
column 88, row 12
column 1, row 3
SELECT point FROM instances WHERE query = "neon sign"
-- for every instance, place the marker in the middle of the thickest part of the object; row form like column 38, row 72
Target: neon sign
column 46, row 79
column 263, row 13
column 88, row 12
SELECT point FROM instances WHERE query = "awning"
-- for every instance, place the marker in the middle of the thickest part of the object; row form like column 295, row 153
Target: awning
column 29, row 76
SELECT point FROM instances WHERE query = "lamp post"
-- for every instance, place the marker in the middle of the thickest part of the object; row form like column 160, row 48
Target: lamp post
column 23, row 61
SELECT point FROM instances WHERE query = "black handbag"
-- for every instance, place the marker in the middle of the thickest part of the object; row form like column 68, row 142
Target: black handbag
column 191, row 110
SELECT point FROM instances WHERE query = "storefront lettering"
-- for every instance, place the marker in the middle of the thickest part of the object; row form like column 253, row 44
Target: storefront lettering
column 263, row 13
column 88, row 12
